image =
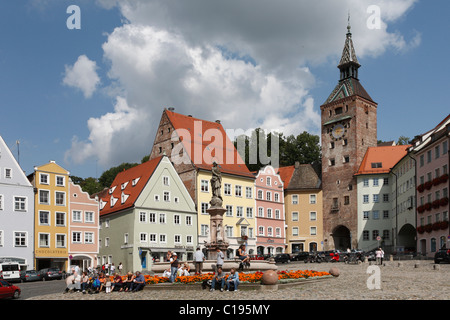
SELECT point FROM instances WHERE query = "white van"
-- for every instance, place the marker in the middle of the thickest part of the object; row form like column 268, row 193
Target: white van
column 10, row 271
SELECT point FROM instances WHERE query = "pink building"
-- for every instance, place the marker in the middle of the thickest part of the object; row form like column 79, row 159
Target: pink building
column 431, row 151
column 83, row 228
column 270, row 217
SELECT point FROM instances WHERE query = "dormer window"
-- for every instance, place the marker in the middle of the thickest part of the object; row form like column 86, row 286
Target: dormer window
column 112, row 190
column 377, row 165
column 135, row 181
column 124, row 197
column 113, row 201
column 124, row 185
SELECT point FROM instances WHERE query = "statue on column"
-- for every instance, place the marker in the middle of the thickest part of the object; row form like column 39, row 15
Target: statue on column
column 216, row 186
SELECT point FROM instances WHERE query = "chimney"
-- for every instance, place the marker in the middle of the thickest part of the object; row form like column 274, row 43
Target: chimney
column 218, row 121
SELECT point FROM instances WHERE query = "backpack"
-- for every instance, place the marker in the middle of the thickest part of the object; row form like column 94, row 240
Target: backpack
column 96, row 283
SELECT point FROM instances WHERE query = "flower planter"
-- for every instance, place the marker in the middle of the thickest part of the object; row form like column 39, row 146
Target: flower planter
column 421, row 229
column 444, row 225
column 443, row 202
column 421, row 209
column 427, row 206
column 429, row 228
column 435, row 204
column 421, row 188
column 428, row 185
column 436, row 226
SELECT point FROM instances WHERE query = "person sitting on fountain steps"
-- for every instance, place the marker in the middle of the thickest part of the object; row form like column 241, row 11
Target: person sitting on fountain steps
column 245, row 258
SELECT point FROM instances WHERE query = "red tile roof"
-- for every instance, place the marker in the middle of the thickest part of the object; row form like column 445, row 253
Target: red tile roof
column 130, row 183
column 387, row 157
column 203, row 148
column 286, row 174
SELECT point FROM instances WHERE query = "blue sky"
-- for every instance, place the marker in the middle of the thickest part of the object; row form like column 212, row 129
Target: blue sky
column 277, row 63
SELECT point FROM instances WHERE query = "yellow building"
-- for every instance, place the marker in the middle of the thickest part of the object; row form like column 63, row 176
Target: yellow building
column 303, row 208
column 238, row 194
column 51, row 185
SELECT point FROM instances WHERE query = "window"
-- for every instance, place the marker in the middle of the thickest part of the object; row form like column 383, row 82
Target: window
column 375, row 234
column 277, row 214
column 60, row 198
column 365, row 182
column 43, row 178
column 44, row 218
column 269, row 213
column 249, row 212
column 376, row 165
column 204, row 186
column 60, row 181
column 227, row 189
column 152, row 217
column 162, row 218
column 260, row 195
column 428, row 156
column 60, row 240
column 1, row 202
column 125, row 240
column 261, row 212
column 176, row 219
column 76, row 216
column 177, row 239
column 366, row 215
column 8, row 173
column 20, row 239
column 204, row 230
column 152, row 237
column 295, row 231
column 143, row 237
column 76, row 237
column 261, row 230
column 376, row 214
column 189, row 220
column 89, row 217
column 386, row 181
column 331, row 162
column 248, row 192
column 375, row 182
column 365, row 198
column 44, row 197
column 276, row 197
column 60, row 219
column 346, row 200
column 268, row 181
column 294, row 216
column 346, row 159
column 239, row 212
column 385, row 214
column 204, row 206
column 162, row 238
column 375, row 198
column 365, row 235
column 313, row 231
column 294, row 199
column 166, row 196
column 20, row 204
column 313, row 216
column 229, row 231
column 44, row 240
column 189, row 240
column 238, row 191
column 268, row 196
column 437, row 152
column 421, row 160
column 269, row 231
column 229, row 212
column 142, row 217
column 89, row 237
column 166, row 181
column 312, row 199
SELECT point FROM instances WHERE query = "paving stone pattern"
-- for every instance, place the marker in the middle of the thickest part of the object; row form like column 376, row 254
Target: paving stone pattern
column 404, row 280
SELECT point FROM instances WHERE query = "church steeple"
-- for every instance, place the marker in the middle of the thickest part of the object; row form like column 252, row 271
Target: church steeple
column 349, row 64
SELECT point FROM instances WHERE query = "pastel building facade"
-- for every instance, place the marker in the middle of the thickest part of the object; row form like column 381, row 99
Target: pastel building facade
column 403, row 204
column 193, row 145
column 51, row 227
column 303, row 208
column 431, row 151
column 16, row 211
column 374, row 224
column 83, row 228
column 270, row 222
column 147, row 212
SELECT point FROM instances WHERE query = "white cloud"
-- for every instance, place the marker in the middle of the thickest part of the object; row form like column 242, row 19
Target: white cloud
column 82, row 75
column 242, row 62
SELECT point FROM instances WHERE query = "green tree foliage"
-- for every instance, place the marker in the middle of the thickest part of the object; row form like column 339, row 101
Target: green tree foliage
column 304, row 148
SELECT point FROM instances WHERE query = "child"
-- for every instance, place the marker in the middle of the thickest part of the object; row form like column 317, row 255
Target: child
column 108, row 284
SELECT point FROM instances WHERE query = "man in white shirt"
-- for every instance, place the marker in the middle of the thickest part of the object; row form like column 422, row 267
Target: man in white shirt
column 199, row 257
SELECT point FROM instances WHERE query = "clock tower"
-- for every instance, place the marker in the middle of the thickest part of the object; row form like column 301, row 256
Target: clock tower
column 349, row 127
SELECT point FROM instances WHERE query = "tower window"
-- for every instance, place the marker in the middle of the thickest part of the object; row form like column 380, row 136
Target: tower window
column 332, row 162
column 338, row 110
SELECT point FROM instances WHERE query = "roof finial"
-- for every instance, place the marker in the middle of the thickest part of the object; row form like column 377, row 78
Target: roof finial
column 348, row 20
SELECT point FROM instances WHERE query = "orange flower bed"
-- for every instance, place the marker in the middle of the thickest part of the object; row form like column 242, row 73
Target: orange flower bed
column 243, row 277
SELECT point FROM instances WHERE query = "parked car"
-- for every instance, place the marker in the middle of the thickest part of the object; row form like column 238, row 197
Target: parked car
column 10, row 271
column 50, row 274
column 283, row 257
column 442, row 255
column 300, row 256
column 7, row 290
column 30, row 275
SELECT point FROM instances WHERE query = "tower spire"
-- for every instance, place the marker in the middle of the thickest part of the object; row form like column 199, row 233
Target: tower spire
column 349, row 64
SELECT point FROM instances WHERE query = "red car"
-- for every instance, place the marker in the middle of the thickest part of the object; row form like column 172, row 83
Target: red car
column 8, row 290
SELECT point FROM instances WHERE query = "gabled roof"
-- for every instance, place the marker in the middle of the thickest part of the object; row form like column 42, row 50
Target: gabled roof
column 127, row 186
column 299, row 176
column 381, row 159
column 346, row 88
column 201, row 142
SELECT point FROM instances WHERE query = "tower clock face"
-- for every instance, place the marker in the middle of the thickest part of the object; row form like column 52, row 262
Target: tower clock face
column 338, row 131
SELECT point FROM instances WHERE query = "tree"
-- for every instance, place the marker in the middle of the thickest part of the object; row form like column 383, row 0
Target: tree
column 107, row 177
column 402, row 140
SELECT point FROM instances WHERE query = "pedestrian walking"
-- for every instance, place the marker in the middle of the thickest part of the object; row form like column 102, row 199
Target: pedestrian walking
column 199, row 258
column 173, row 267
